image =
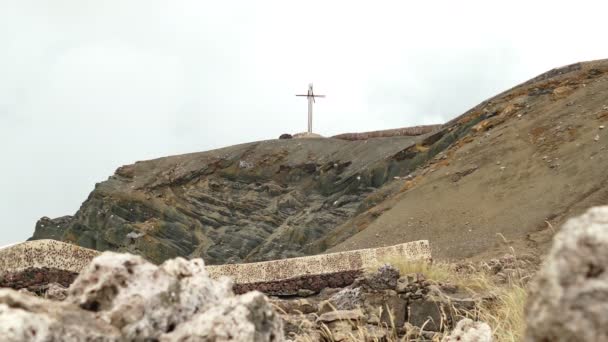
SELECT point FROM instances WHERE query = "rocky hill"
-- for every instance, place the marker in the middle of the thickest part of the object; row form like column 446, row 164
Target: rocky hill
column 504, row 171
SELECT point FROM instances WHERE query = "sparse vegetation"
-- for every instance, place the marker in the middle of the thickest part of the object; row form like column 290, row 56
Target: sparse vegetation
column 469, row 278
column 502, row 307
column 504, row 312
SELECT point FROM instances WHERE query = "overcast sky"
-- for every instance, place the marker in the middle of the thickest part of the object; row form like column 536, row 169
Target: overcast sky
column 87, row 86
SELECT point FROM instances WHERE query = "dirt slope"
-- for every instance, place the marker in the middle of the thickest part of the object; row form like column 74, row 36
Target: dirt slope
column 541, row 157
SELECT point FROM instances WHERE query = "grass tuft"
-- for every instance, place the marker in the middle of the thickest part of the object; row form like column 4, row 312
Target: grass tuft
column 504, row 312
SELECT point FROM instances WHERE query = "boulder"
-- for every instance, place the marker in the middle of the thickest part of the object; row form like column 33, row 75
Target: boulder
column 285, row 136
column 245, row 318
column 569, row 297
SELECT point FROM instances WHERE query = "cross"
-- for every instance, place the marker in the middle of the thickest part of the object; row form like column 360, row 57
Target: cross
column 311, row 99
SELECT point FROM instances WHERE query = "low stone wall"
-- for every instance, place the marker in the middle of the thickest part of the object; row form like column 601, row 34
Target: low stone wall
column 35, row 277
column 313, row 283
column 397, row 132
column 45, row 254
column 260, row 272
column 39, row 262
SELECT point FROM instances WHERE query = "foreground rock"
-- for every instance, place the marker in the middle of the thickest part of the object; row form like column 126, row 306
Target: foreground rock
column 25, row 317
column 469, row 331
column 121, row 297
column 569, row 299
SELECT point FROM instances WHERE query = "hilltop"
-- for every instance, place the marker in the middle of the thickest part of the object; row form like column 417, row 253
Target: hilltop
column 503, row 173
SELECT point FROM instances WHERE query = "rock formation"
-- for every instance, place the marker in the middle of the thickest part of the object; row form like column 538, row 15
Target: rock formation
column 251, row 202
column 456, row 185
column 569, row 298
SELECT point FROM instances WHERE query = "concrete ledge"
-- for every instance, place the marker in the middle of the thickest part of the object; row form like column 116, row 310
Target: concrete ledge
column 45, row 254
column 398, row 132
column 266, row 271
column 33, row 263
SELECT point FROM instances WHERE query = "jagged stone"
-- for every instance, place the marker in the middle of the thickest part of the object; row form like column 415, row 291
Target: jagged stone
column 55, row 291
column 25, row 317
column 468, row 330
column 402, row 285
column 569, row 298
column 244, row 318
column 384, row 279
column 347, row 299
column 144, row 300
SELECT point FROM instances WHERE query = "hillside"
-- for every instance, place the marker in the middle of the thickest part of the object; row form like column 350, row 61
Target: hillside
column 504, row 171
column 539, row 156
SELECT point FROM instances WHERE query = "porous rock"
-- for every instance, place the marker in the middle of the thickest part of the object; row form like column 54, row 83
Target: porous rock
column 145, row 300
column 347, row 299
column 122, row 297
column 249, row 317
column 569, row 297
column 55, row 291
column 468, row 330
column 29, row 318
column 385, row 278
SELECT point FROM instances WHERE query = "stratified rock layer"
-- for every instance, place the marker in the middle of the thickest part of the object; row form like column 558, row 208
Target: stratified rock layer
column 251, row 202
column 569, row 299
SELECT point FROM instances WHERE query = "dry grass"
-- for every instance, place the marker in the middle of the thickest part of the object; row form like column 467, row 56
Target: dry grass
column 444, row 273
column 504, row 313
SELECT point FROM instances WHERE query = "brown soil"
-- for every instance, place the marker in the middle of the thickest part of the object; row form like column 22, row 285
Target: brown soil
column 540, row 160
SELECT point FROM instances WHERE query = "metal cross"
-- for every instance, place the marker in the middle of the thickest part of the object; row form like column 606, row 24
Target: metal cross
column 311, row 99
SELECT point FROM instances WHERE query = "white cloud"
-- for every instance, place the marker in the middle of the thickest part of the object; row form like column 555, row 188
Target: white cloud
column 86, row 86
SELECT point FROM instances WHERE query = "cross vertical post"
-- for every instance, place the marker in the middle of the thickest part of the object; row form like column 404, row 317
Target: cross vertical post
column 310, row 96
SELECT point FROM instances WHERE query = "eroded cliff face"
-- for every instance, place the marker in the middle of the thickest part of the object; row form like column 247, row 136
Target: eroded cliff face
column 257, row 201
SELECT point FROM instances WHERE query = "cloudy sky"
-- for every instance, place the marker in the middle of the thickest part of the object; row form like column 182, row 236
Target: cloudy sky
column 87, row 86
